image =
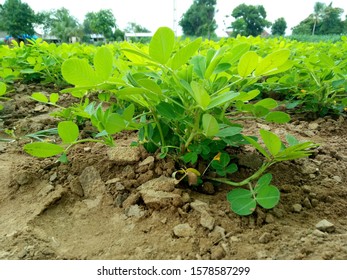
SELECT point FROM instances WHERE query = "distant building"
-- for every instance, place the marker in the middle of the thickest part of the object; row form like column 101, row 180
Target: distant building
column 51, row 39
column 137, row 35
column 94, row 38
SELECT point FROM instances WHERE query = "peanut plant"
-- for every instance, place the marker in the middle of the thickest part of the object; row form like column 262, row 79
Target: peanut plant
column 184, row 100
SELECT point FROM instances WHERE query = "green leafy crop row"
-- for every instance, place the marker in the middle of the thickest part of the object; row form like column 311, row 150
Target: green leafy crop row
column 186, row 100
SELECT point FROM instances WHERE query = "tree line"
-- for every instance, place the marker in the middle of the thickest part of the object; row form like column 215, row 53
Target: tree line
column 18, row 18
column 251, row 20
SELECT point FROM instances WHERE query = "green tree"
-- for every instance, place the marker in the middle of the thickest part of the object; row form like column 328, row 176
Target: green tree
column 199, row 20
column 133, row 27
column 102, row 22
column 17, row 18
column 318, row 13
column 303, row 28
column 118, row 35
column 331, row 22
column 61, row 24
column 250, row 20
column 279, row 27
column 324, row 20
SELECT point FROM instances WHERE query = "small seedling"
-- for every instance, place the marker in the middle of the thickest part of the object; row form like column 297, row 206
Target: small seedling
column 243, row 201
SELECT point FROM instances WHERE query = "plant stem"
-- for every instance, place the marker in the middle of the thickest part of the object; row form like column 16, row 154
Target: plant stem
column 194, row 131
column 256, row 175
column 251, row 189
column 83, row 141
column 155, row 117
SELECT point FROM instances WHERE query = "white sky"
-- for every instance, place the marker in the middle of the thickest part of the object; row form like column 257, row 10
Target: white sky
column 155, row 13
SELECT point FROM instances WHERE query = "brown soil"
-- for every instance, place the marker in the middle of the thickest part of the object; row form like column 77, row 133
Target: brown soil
column 121, row 203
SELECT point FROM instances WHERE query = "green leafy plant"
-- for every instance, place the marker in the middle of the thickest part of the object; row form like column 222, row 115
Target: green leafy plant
column 109, row 123
column 243, row 202
column 40, row 136
column 184, row 99
column 221, row 163
column 68, row 132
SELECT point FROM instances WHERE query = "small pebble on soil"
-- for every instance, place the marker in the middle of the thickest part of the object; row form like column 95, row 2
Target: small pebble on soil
column 297, row 208
column 325, row 226
column 183, row 230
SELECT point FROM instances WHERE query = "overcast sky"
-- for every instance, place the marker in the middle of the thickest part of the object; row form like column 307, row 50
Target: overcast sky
column 155, row 13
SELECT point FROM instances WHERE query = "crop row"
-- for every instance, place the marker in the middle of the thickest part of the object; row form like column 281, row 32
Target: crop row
column 315, row 83
column 184, row 98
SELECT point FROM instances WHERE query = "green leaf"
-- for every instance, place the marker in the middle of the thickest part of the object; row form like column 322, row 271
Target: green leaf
column 63, row 158
column 31, row 60
column 161, row 45
column 134, row 94
column 200, row 95
column 264, row 180
column 277, row 117
column 326, row 61
column 223, row 98
column 191, row 157
column 43, row 149
column 236, row 52
column 248, row 62
column 210, row 125
column 256, row 145
column 103, row 63
column 199, row 63
column 182, row 55
column 272, row 62
column 221, row 67
column 224, row 159
column 150, row 85
column 247, row 96
column 296, row 151
column 68, row 131
column 272, row 141
column 170, row 111
column 291, row 140
column 38, row 96
column 214, row 62
column 229, row 131
column 258, row 111
column 268, row 103
column 232, row 168
column 53, row 98
column 129, row 112
column 241, row 201
column 268, row 196
column 284, row 67
column 78, row 72
column 114, row 124
column 2, row 88
column 134, row 54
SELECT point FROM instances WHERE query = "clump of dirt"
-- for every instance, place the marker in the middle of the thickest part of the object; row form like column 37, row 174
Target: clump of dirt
column 122, row 203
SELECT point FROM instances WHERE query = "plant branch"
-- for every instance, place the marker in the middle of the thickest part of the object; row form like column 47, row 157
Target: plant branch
column 255, row 176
